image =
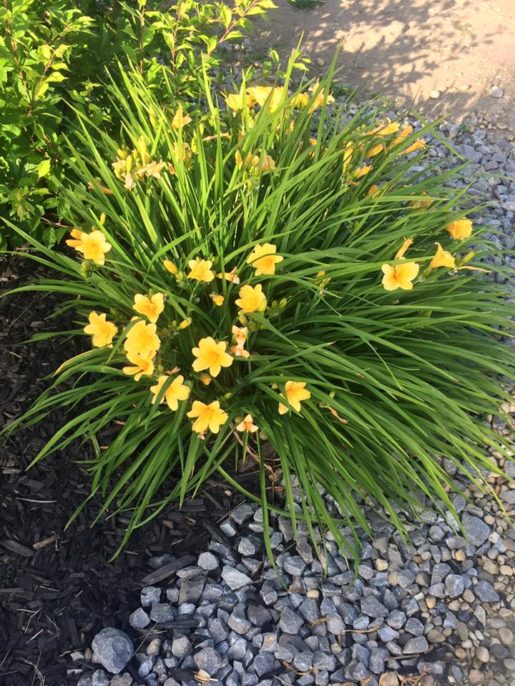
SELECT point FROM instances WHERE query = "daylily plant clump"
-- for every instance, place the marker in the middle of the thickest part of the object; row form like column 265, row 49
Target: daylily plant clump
column 270, row 282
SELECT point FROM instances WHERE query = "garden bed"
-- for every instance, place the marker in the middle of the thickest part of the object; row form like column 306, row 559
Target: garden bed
column 57, row 586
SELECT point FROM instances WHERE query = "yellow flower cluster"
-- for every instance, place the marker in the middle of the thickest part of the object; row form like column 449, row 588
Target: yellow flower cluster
column 142, row 343
column 402, row 275
column 274, row 97
column 137, row 164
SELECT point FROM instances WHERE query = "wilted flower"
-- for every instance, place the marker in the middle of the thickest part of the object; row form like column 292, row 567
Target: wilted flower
column 264, row 259
column 247, row 425
column 207, row 416
column 231, row 276
column 180, row 119
column 211, row 355
column 100, row 329
column 176, row 391
column 296, row 392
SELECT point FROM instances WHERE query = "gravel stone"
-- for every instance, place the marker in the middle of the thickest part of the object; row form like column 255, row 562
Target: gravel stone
column 241, row 513
column 162, row 612
column 396, row 619
column 99, row 678
column 234, row 578
column 414, row 626
column 180, row 647
column 208, row 660
column 454, row 585
column 294, row 565
column 139, row 619
column 378, row 657
column 207, row 561
column 238, row 622
column 416, row 645
column 485, row 592
column 290, row 621
column 264, row 663
column 150, row 595
column 112, row 649
column 476, row 530
column 372, row 607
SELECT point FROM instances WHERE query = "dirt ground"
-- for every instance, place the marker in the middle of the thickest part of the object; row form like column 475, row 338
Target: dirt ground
column 443, row 56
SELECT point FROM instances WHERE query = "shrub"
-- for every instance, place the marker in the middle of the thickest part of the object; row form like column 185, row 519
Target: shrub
column 56, row 51
column 267, row 281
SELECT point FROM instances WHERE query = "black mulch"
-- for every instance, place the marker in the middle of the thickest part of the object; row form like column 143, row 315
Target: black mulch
column 57, row 587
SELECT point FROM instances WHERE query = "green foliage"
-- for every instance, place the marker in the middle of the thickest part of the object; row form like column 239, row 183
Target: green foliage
column 56, row 51
column 397, row 380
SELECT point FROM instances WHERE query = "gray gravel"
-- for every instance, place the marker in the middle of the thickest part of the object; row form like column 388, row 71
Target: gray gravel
column 440, row 608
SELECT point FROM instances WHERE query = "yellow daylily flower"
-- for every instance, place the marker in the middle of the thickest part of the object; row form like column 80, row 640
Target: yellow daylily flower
column 362, row 171
column 403, row 134
column 142, row 339
column 100, row 329
column 399, row 276
column 252, row 299
column 271, row 96
column 211, row 355
column 266, row 163
column 348, row 152
column 217, row 299
column 207, row 416
column 185, row 323
column 263, row 259
column 320, row 98
column 247, row 425
column 237, row 102
column 200, row 270
column 417, row 145
column 375, row 150
column 141, row 366
column 460, row 229
column 442, row 258
column 408, row 242
column 151, row 307
column 175, row 392
column 180, row 119
column 205, row 379
column 384, row 129
column 300, row 100
column 153, row 169
column 296, row 392
column 93, row 245
column 171, row 267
